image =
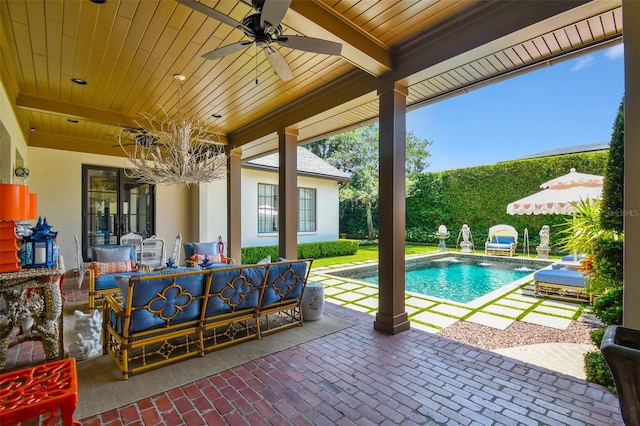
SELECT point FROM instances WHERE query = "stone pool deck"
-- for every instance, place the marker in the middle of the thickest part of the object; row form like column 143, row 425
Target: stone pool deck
column 499, row 309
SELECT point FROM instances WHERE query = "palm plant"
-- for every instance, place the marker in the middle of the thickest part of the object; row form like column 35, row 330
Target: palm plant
column 581, row 231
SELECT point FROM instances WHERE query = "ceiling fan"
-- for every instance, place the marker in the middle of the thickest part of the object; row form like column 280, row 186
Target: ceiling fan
column 264, row 29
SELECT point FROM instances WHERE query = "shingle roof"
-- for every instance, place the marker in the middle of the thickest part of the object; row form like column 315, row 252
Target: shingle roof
column 308, row 164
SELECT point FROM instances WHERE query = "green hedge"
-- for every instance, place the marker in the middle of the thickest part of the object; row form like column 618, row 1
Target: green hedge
column 305, row 250
column 478, row 196
column 608, row 260
column 597, row 370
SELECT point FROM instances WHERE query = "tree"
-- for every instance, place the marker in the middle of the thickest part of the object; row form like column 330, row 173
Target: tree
column 596, row 231
column 356, row 152
column 606, row 270
column 613, row 187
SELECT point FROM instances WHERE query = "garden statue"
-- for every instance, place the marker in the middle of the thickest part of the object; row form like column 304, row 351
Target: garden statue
column 543, row 249
column 466, row 246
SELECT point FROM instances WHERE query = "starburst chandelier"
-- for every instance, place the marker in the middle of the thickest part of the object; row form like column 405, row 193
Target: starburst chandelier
column 172, row 151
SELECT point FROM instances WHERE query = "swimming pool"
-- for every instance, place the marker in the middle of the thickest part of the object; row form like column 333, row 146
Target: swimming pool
column 453, row 277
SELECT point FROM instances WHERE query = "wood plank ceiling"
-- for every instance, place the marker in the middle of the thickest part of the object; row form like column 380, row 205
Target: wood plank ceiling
column 128, row 52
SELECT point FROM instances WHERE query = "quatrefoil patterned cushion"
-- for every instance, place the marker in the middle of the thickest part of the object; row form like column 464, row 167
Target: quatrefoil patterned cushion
column 170, row 302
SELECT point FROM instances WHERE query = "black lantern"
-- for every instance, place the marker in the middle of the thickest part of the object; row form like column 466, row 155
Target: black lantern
column 40, row 246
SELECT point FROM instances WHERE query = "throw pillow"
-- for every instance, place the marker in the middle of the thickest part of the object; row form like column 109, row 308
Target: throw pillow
column 205, row 248
column 123, row 285
column 265, row 260
column 213, row 258
column 101, row 268
column 107, row 255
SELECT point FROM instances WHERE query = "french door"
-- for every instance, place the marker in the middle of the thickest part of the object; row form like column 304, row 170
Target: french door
column 114, row 205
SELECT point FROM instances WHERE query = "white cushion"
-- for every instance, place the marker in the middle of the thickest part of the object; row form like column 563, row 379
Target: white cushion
column 205, row 248
column 108, row 255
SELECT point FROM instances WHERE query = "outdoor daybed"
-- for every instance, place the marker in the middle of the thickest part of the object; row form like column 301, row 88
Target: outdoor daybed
column 562, row 283
column 502, row 240
column 169, row 315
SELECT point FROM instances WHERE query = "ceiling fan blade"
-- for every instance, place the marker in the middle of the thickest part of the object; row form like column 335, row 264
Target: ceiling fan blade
column 213, row 13
column 272, row 13
column 132, row 130
column 278, row 63
column 227, row 50
column 310, row 44
column 145, row 140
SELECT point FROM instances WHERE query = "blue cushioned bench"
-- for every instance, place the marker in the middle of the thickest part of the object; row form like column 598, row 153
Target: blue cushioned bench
column 562, row 283
column 173, row 314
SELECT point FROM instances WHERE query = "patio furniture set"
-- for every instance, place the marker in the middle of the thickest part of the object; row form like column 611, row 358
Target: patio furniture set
column 562, row 280
column 174, row 314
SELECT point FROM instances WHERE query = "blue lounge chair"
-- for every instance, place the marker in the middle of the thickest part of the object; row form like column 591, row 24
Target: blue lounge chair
column 572, row 257
column 562, row 283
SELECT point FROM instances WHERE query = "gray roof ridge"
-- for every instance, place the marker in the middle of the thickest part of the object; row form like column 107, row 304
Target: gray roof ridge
column 575, row 149
column 308, row 164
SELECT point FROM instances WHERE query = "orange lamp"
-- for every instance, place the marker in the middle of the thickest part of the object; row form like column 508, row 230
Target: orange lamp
column 14, row 205
column 33, row 206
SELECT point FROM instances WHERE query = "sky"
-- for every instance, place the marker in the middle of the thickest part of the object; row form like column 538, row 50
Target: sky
column 570, row 103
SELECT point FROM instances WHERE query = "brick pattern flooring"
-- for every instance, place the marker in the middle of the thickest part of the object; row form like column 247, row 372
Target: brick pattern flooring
column 361, row 377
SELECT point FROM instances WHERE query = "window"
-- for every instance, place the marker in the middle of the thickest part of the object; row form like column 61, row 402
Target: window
column 114, row 205
column 306, row 210
column 268, row 209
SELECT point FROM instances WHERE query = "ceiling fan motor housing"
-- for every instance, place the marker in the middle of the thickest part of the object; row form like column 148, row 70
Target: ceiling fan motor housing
column 257, row 4
column 252, row 23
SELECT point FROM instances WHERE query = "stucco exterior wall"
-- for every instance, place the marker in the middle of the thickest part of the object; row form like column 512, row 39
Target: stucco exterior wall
column 212, row 214
column 327, row 208
column 13, row 146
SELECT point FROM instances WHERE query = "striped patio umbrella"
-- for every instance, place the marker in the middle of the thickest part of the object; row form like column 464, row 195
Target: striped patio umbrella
column 560, row 195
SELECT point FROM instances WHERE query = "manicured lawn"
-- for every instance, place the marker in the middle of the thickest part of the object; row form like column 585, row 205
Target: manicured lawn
column 371, row 253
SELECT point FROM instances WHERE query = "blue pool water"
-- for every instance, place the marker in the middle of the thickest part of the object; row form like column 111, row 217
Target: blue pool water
column 458, row 280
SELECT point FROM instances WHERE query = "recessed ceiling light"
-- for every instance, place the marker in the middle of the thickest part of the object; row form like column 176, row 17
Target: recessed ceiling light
column 72, row 120
column 32, row 129
column 78, row 81
column 216, row 115
column 99, row 1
